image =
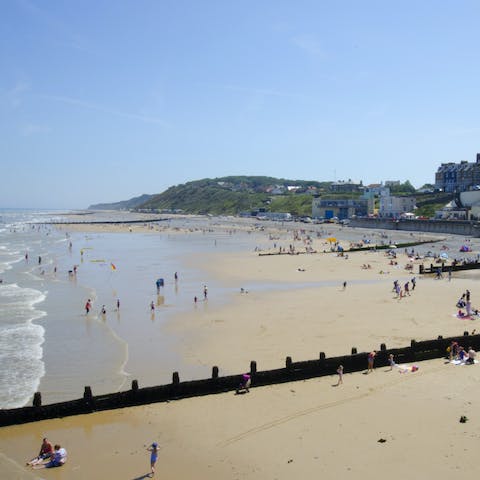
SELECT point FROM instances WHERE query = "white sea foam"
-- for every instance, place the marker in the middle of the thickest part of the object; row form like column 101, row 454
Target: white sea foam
column 20, row 344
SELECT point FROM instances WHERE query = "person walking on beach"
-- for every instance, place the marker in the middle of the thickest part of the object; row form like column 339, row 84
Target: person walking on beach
column 371, row 358
column 414, row 282
column 118, row 304
column 152, row 306
column 88, row 307
column 205, row 292
column 153, row 449
column 340, row 375
column 344, row 285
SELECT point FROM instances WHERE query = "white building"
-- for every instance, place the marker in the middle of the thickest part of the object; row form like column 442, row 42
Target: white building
column 394, row 207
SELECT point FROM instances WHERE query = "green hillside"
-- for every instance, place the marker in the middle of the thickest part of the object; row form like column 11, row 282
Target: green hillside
column 123, row 205
column 235, row 194
column 232, row 195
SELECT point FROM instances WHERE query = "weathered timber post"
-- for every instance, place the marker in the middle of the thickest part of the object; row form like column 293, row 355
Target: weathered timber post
column 413, row 345
column 37, row 399
column 88, row 396
column 288, row 363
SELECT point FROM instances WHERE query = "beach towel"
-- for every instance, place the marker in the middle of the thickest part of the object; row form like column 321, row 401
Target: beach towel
column 462, row 362
column 407, row 368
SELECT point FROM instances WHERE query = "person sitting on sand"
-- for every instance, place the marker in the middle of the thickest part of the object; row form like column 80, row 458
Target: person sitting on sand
column 462, row 354
column 471, row 356
column 57, row 460
column 46, row 451
column 245, row 383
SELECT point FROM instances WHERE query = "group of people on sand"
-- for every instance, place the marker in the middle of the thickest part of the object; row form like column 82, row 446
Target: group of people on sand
column 49, row 456
column 464, row 302
column 457, row 353
column 370, row 366
column 405, row 291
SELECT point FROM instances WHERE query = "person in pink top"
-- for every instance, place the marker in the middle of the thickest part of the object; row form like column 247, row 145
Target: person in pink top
column 371, row 358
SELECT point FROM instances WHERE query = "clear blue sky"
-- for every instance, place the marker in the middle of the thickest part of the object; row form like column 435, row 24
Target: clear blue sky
column 101, row 101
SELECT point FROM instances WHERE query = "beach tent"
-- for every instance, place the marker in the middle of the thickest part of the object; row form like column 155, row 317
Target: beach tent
column 465, row 248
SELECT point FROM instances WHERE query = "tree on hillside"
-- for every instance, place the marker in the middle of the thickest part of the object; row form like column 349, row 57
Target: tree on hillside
column 405, row 188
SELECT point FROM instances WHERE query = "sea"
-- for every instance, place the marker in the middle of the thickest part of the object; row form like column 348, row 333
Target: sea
column 47, row 274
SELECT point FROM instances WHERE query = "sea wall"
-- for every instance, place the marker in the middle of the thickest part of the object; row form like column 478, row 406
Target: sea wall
column 291, row 371
column 453, row 227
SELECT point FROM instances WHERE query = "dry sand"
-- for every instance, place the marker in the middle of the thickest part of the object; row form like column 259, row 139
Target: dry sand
column 302, row 429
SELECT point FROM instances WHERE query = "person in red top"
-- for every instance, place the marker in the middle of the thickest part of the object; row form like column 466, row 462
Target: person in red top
column 46, row 451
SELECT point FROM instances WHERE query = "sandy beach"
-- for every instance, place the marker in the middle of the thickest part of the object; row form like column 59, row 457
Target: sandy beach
column 300, row 429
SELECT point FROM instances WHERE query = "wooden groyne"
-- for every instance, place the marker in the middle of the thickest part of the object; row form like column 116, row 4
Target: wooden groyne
column 102, row 222
column 365, row 248
column 292, row 371
column 422, row 270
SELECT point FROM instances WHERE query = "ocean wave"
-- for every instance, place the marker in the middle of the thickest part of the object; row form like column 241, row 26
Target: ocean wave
column 22, row 365
column 12, row 294
column 20, row 344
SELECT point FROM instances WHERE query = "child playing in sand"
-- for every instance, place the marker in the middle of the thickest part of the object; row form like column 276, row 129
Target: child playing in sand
column 391, row 361
column 245, row 383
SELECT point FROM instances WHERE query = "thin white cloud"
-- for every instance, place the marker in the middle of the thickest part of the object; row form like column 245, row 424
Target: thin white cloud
column 15, row 94
column 309, row 44
column 100, row 108
column 34, row 129
column 263, row 91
